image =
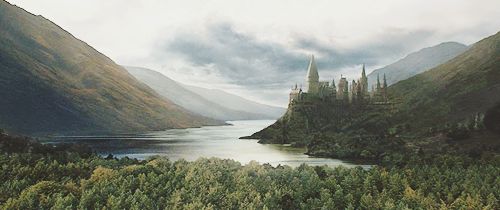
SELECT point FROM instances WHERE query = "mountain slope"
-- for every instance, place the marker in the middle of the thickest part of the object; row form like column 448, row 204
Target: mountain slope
column 183, row 97
column 435, row 112
column 51, row 82
column 235, row 102
column 418, row 62
column 455, row 90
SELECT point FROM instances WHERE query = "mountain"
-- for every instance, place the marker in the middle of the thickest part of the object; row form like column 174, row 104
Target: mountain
column 51, row 82
column 455, row 90
column 189, row 100
column 418, row 62
column 451, row 108
column 235, row 102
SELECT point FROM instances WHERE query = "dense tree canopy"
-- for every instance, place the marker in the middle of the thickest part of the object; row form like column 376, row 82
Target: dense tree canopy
column 34, row 181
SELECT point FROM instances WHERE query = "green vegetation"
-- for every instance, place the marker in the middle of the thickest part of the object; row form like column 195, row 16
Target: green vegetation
column 54, row 179
column 451, row 109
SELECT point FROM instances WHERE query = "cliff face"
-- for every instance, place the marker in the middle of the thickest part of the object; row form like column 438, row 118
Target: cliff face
column 305, row 120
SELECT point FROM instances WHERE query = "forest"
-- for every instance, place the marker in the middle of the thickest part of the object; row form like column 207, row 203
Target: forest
column 36, row 176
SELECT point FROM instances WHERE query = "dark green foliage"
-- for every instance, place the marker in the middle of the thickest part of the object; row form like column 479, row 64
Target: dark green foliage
column 492, row 119
column 33, row 181
column 452, row 108
column 45, row 177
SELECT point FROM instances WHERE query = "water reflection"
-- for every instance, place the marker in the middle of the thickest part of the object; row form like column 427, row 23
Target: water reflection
column 211, row 141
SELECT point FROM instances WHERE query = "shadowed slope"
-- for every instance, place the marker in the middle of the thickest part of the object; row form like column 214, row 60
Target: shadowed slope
column 51, row 82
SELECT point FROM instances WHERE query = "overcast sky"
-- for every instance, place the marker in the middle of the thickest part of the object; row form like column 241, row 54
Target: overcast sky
column 259, row 49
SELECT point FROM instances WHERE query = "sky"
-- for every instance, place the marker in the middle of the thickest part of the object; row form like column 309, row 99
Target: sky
column 259, row 49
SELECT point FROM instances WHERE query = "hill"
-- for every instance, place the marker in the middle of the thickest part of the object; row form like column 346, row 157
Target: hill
column 454, row 107
column 418, row 62
column 454, row 91
column 51, row 82
column 235, row 102
column 177, row 93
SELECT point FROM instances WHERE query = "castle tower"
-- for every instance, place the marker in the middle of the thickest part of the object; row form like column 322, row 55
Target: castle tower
column 384, row 90
column 334, row 88
column 343, row 90
column 312, row 77
column 353, row 93
column 384, row 85
column 378, row 82
column 363, row 82
column 294, row 94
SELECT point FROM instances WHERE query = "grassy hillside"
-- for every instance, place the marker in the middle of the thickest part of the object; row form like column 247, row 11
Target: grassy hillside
column 51, row 82
column 454, row 91
column 445, row 109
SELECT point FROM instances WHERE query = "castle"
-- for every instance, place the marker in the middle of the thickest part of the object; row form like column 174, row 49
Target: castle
column 355, row 93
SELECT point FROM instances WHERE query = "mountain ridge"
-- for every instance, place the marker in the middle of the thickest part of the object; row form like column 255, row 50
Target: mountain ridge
column 176, row 92
column 451, row 108
column 418, row 62
column 52, row 82
column 232, row 101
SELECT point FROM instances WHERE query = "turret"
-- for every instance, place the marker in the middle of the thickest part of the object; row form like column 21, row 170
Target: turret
column 294, row 94
column 384, row 90
column 385, row 82
column 363, row 73
column 312, row 77
column 378, row 82
column 364, row 83
column 334, row 88
column 343, row 89
column 352, row 94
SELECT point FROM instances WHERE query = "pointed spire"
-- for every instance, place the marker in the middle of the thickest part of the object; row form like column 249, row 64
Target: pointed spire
column 385, row 82
column 363, row 73
column 378, row 81
column 312, row 70
column 333, row 82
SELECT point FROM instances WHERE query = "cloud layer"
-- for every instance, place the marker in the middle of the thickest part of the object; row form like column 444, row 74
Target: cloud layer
column 260, row 48
column 244, row 60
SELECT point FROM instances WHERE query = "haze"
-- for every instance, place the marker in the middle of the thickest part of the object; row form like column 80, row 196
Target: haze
column 258, row 49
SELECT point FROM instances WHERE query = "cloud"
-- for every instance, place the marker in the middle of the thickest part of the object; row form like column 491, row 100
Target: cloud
column 237, row 58
column 260, row 48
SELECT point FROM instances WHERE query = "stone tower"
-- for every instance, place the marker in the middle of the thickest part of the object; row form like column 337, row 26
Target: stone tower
column 343, row 89
column 384, row 85
column 378, row 83
column 312, row 77
column 334, row 88
column 363, row 82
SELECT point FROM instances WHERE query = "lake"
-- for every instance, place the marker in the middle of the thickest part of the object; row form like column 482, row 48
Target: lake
column 210, row 141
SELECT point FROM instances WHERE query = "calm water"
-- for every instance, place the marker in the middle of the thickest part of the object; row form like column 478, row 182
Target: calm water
column 211, row 141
